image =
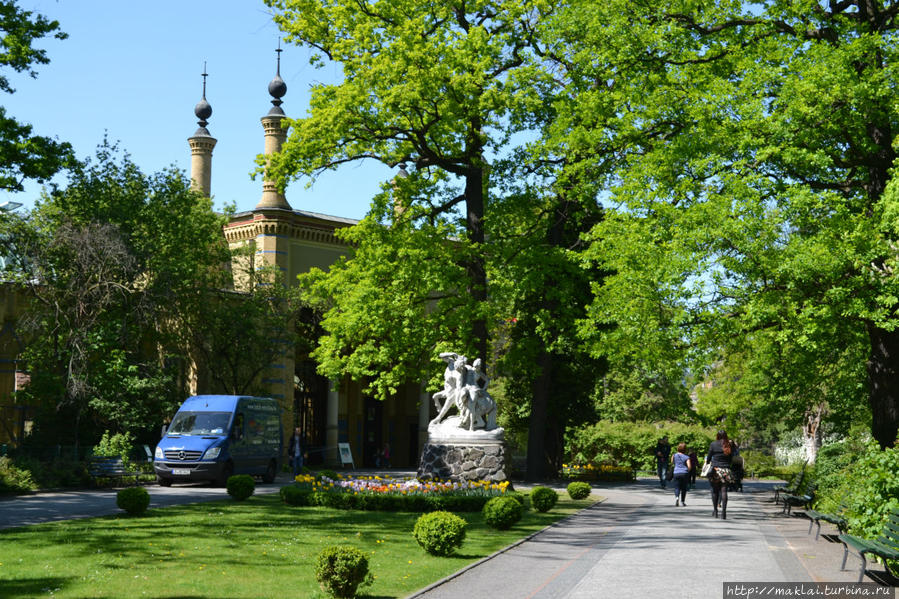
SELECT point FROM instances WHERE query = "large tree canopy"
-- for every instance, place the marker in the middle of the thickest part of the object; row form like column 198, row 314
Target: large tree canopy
column 754, row 184
column 24, row 155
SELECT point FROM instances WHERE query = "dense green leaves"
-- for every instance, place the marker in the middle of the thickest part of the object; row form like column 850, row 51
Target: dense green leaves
column 24, row 155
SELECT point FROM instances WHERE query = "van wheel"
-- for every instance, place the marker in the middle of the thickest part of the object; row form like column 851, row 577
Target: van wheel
column 269, row 476
column 163, row 482
column 227, row 471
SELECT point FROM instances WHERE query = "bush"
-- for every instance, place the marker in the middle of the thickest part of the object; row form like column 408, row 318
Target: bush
column 298, row 496
column 502, row 512
column 133, row 500
column 578, row 490
column 241, row 486
column 439, row 533
column 115, row 446
column 629, row 445
column 519, row 497
column 341, row 569
column 544, row 499
column 14, row 479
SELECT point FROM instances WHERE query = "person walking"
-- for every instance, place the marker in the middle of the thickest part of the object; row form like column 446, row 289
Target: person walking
column 296, row 451
column 663, row 453
column 694, row 462
column 682, row 464
column 720, row 456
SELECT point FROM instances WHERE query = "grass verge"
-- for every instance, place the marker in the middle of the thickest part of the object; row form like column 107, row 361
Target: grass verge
column 254, row 548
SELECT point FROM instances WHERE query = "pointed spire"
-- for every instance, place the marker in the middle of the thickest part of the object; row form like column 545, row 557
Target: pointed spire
column 276, row 87
column 203, row 110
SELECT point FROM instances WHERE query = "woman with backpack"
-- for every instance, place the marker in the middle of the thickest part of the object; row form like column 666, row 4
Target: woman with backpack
column 721, row 454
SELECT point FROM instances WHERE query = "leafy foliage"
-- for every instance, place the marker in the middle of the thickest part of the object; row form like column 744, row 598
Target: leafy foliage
column 133, row 500
column 502, row 512
column 630, row 444
column 117, row 445
column 439, row 533
column 341, row 569
column 240, row 486
column 25, row 155
column 543, row 498
column 578, row 490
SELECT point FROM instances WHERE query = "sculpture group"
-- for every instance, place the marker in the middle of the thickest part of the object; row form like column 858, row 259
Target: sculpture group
column 465, row 388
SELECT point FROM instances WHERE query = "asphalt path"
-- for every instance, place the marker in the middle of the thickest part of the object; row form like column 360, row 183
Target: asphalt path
column 24, row 510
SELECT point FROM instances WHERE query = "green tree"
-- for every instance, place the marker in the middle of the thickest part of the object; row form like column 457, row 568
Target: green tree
column 24, row 155
column 753, row 159
column 436, row 85
column 114, row 262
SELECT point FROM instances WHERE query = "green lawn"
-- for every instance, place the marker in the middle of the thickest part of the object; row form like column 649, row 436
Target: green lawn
column 256, row 548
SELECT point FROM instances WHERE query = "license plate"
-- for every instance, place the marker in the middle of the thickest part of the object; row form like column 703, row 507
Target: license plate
column 181, row 471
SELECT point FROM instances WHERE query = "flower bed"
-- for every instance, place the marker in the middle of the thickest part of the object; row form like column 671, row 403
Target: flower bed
column 390, row 494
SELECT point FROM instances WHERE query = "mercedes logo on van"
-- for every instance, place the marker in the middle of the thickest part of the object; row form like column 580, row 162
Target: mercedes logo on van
column 181, row 455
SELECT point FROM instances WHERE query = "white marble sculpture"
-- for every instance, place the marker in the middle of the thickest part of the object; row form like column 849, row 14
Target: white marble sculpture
column 465, row 388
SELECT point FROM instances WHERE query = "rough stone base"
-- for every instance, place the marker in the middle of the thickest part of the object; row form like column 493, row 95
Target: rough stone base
column 460, row 462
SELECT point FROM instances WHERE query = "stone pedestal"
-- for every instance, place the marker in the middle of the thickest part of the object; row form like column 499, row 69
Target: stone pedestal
column 459, row 461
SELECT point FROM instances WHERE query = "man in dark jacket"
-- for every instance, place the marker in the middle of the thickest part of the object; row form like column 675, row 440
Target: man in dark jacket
column 296, row 451
column 663, row 454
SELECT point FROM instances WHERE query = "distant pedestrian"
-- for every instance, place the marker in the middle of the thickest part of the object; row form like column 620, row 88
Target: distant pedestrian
column 721, row 454
column 694, row 461
column 681, row 462
column 663, row 453
column 296, row 451
column 385, row 456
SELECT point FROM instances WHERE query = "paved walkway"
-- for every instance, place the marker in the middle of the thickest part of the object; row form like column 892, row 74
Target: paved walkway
column 636, row 543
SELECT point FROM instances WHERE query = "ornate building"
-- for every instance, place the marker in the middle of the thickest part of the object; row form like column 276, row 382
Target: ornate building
column 294, row 241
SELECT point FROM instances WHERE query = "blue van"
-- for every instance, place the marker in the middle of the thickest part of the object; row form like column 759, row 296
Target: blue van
column 212, row 437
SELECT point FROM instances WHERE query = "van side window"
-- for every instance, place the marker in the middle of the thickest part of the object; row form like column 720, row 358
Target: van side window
column 237, row 430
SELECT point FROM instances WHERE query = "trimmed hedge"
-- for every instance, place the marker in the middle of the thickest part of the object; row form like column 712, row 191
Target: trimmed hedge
column 439, row 533
column 502, row 512
column 383, row 502
column 341, row 569
column 134, row 500
column 543, row 499
column 578, row 490
column 241, row 486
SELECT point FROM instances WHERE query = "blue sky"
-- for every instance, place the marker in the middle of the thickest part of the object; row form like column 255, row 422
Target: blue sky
column 131, row 70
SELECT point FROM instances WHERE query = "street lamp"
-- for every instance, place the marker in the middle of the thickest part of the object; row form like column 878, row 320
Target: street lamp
column 9, row 206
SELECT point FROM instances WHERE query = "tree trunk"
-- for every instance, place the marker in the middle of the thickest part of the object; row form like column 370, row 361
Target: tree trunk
column 883, row 384
column 537, row 463
column 811, row 432
column 477, row 271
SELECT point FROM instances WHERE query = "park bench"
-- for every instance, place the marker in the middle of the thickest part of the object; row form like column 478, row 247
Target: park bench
column 99, row 466
column 791, row 487
column 838, row 519
column 885, row 546
column 803, row 497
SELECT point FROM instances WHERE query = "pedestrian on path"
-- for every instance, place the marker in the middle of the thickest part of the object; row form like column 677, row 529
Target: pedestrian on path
column 694, row 462
column 663, row 452
column 721, row 454
column 681, row 463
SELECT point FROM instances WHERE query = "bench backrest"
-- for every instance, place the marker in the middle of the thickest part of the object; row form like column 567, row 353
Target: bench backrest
column 890, row 534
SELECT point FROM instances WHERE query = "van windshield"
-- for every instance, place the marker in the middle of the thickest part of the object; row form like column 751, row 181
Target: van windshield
column 199, row 423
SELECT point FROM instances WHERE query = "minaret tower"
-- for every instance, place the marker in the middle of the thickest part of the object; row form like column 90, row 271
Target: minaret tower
column 201, row 145
column 275, row 136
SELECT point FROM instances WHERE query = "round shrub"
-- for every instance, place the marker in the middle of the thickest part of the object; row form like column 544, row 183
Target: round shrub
column 341, row 569
column 519, row 497
column 439, row 533
column 133, row 500
column 502, row 512
column 241, row 486
column 293, row 495
column 578, row 490
column 543, row 499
